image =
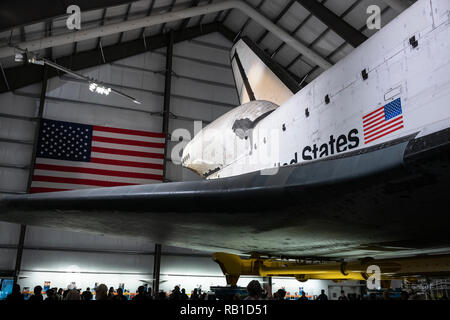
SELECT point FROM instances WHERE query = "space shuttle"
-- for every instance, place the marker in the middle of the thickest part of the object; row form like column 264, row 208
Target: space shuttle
column 389, row 89
column 354, row 164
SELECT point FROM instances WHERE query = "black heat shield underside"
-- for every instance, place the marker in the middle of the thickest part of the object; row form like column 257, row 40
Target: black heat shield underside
column 387, row 201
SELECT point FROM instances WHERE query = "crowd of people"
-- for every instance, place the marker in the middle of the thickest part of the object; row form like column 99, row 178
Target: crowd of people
column 254, row 292
column 102, row 294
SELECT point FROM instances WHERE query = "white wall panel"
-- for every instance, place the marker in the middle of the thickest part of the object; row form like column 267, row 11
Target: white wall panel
column 16, row 129
column 9, row 234
column 15, row 154
column 7, row 259
column 139, row 79
column 149, row 60
column 59, row 88
column 202, row 52
column 198, row 111
column 198, row 90
column 190, row 273
column 135, row 79
column 203, row 71
column 14, row 180
column 215, row 38
column 200, row 266
column 18, row 105
column 181, row 124
column 33, row 88
column 98, row 115
column 42, row 260
column 51, row 238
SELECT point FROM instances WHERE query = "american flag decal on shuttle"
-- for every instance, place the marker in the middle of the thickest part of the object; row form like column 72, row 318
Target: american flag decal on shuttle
column 383, row 121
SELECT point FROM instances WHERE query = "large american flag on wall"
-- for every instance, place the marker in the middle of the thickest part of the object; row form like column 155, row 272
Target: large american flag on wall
column 76, row 156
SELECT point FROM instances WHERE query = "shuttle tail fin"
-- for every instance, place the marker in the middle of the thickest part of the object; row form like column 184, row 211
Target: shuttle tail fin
column 258, row 77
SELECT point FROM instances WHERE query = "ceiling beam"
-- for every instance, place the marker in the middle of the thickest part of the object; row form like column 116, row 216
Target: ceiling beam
column 278, row 18
column 48, row 32
column 167, row 17
column 22, row 76
column 127, row 13
column 16, row 13
column 399, row 5
column 185, row 22
column 339, row 48
column 172, row 5
column 351, row 35
column 321, row 35
column 149, row 12
column 246, row 23
column 225, row 16
column 293, row 33
column 102, row 22
column 203, row 16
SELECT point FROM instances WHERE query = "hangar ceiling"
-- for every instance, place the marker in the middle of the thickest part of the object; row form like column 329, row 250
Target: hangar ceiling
column 330, row 28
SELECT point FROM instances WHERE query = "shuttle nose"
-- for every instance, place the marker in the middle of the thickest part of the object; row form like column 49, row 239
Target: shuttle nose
column 194, row 157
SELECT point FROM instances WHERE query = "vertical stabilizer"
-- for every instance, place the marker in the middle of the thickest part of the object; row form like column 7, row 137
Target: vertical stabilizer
column 258, row 77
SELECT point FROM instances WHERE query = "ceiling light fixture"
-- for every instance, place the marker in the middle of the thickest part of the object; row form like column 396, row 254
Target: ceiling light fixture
column 94, row 87
column 30, row 57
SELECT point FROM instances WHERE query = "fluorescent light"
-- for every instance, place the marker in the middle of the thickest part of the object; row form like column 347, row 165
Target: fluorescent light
column 138, row 102
column 102, row 90
column 92, row 86
column 99, row 89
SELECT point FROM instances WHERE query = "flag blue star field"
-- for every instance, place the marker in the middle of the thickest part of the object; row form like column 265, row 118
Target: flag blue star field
column 75, row 156
column 383, row 121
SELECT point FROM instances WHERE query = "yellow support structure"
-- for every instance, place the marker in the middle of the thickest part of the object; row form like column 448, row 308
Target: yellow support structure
column 233, row 267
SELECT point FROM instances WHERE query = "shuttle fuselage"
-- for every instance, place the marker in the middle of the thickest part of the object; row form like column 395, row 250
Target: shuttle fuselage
column 394, row 85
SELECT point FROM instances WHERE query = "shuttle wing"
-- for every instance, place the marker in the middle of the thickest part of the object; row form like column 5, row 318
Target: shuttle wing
column 337, row 207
